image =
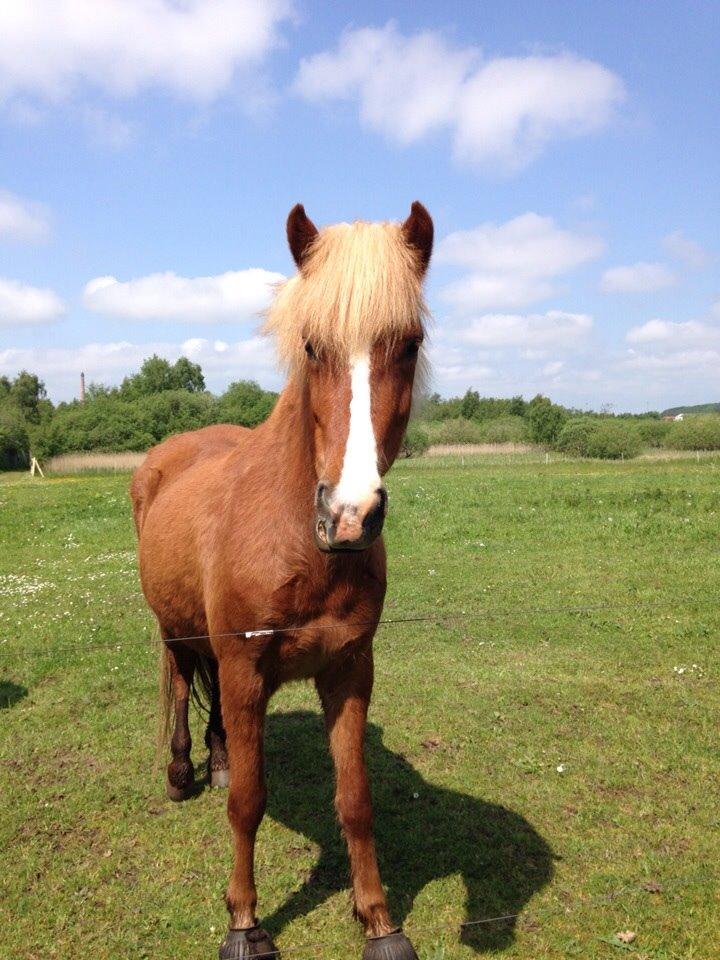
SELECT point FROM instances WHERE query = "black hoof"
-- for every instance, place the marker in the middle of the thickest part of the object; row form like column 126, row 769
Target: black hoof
column 180, row 780
column 242, row 944
column 393, row 946
column 178, row 794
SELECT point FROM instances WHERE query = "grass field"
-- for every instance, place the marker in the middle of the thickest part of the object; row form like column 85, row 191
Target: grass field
column 554, row 756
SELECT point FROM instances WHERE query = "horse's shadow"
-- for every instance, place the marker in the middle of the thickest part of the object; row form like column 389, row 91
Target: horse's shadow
column 423, row 833
column 11, row 693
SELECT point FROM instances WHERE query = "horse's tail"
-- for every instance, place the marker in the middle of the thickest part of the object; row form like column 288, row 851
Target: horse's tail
column 204, row 679
column 201, row 691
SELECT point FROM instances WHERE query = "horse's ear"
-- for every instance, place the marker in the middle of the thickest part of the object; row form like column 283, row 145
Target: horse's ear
column 301, row 232
column 418, row 231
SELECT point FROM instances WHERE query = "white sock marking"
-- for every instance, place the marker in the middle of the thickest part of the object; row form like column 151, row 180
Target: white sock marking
column 359, row 478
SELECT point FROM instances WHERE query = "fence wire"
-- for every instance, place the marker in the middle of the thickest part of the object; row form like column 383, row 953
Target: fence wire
column 437, row 619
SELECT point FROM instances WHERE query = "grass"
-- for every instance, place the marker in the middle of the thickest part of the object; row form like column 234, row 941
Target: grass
column 555, row 756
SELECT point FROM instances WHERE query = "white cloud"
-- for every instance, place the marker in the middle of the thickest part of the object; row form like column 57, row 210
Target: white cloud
column 687, row 251
column 638, row 278
column 697, row 363
column 108, row 363
column 670, row 333
column 555, row 328
column 450, row 364
column 553, row 368
column 513, row 107
column 192, row 48
column 236, row 295
column 21, row 304
column 407, row 86
column 511, row 264
column 21, row 219
column 501, row 112
column 677, row 353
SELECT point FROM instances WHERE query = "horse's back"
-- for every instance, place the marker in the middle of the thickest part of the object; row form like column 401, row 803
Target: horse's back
column 169, row 460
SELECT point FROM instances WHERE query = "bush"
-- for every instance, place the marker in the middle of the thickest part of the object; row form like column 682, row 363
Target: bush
column 653, row 432
column 694, row 433
column 602, row 438
column 415, row 442
column 14, row 442
column 456, row 431
column 574, row 438
column 510, row 429
column 245, row 403
column 108, row 423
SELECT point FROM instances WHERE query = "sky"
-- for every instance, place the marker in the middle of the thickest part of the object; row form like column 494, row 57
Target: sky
column 150, row 151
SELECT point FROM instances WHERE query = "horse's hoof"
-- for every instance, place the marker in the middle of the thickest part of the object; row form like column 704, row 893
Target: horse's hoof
column 178, row 794
column 246, row 944
column 393, row 946
column 220, row 778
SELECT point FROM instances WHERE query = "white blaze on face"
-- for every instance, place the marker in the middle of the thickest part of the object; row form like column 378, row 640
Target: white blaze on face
column 359, row 478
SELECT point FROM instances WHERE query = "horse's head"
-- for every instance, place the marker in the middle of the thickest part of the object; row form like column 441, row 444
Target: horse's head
column 350, row 325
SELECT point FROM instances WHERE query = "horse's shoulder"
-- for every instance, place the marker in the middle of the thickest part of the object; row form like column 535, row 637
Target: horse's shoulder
column 173, row 457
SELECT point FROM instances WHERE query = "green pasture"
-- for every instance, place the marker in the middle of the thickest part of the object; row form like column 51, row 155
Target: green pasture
column 549, row 755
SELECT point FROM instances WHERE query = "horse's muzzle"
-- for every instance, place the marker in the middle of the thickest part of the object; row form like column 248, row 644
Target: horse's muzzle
column 348, row 526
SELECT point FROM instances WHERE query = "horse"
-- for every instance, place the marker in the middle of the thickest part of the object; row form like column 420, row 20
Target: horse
column 261, row 551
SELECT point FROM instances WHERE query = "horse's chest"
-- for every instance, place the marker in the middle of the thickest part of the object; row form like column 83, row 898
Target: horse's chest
column 313, row 633
column 299, row 621
column 306, row 652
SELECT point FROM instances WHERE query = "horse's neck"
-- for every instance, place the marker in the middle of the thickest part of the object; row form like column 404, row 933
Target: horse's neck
column 289, row 433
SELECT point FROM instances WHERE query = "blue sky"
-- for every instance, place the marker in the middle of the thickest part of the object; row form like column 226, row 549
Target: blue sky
column 150, row 151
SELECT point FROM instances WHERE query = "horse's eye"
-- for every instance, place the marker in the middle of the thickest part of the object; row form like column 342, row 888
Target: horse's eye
column 310, row 350
column 410, row 349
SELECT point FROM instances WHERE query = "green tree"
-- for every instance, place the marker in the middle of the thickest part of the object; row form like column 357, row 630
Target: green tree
column 245, row 403
column 545, row 419
column 188, row 376
column 157, row 375
column 27, row 390
column 14, row 441
column 470, row 405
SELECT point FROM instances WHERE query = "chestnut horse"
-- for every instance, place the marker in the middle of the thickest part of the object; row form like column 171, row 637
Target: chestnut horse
column 265, row 544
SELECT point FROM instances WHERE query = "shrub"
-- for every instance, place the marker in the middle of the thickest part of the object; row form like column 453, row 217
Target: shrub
column 694, row 433
column 456, row 431
column 574, row 438
column 415, row 442
column 245, row 403
column 14, row 442
column 602, row 438
column 510, row 429
column 653, row 432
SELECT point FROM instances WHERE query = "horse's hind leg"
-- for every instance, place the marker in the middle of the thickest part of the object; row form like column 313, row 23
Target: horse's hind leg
column 218, row 765
column 181, row 662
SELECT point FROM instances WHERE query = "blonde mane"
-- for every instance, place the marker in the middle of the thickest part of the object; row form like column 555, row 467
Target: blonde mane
column 359, row 283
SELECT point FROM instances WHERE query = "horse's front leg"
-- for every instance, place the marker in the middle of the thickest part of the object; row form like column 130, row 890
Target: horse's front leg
column 345, row 691
column 244, row 701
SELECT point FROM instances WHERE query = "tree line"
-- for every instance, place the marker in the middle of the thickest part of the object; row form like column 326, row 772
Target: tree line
column 159, row 400
column 164, row 398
